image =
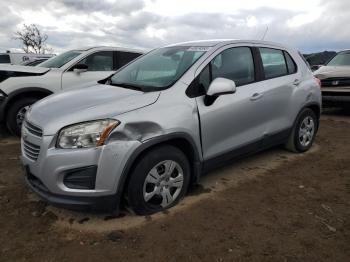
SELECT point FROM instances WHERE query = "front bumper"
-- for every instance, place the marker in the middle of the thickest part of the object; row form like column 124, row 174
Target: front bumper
column 45, row 175
column 335, row 98
column 104, row 203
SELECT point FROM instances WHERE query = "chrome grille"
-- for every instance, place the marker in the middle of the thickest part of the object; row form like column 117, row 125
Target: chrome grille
column 30, row 150
column 37, row 131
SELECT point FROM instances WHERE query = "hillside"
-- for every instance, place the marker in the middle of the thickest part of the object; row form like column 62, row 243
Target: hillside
column 319, row 58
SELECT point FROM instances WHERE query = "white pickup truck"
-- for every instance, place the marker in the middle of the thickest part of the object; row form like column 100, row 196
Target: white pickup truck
column 21, row 86
column 20, row 58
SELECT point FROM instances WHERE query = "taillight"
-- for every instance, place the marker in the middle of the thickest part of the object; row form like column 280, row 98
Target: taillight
column 318, row 82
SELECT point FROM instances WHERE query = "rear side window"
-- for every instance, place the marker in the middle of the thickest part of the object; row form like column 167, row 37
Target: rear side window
column 273, row 62
column 5, row 59
column 124, row 58
column 292, row 68
column 236, row 64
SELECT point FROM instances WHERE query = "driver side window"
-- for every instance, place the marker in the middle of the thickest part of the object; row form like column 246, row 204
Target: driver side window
column 99, row 61
column 236, row 64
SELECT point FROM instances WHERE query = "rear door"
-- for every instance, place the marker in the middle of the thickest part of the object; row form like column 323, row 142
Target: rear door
column 100, row 64
column 281, row 80
column 236, row 120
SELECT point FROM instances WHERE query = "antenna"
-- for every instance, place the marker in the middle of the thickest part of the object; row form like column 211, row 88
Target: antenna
column 266, row 30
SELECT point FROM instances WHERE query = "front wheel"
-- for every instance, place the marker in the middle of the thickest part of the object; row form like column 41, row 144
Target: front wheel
column 304, row 132
column 16, row 113
column 159, row 180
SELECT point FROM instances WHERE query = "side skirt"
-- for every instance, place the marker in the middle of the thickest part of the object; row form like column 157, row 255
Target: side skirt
column 246, row 150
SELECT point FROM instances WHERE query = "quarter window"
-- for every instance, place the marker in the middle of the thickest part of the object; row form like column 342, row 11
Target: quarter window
column 292, row 68
column 100, row 61
column 273, row 62
column 204, row 79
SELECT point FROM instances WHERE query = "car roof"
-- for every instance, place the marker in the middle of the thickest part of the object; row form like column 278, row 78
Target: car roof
column 220, row 42
column 344, row 51
column 113, row 48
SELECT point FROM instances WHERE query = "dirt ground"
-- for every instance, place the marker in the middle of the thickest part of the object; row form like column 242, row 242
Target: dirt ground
column 275, row 206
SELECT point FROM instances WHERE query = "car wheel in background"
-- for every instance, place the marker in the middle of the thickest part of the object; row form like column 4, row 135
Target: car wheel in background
column 16, row 113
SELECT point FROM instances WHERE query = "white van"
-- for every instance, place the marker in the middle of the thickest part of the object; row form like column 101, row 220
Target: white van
column 20, row 58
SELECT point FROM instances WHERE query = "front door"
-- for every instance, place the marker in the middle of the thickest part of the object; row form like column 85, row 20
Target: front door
column 100, row 65
column 236, row 120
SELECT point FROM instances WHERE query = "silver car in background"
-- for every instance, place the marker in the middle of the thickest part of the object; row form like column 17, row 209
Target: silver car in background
column 146, row 134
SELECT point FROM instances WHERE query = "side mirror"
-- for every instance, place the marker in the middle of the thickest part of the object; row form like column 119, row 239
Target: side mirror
column 80, row 68
column 221, row 86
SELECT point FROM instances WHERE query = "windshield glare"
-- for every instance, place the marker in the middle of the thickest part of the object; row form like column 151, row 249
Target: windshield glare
column 341, row 59
column 60, row 60
column 158, row 69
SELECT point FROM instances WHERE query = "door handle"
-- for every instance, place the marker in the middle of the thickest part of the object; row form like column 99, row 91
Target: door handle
column 296, row 82
column 256, row 96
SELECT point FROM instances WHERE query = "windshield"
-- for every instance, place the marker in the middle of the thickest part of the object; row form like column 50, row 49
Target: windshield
column 158, row 69
column 60, row 60
column 341, row 59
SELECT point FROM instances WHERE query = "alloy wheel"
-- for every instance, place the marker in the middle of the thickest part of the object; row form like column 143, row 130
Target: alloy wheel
column 306, row 131
column 163, row 183
column 21, row 114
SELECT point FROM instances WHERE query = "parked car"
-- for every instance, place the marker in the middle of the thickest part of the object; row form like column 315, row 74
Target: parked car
column 19, row 58
column 34, row 62
column 21, row 86
column 149, row 131
column 335, row 80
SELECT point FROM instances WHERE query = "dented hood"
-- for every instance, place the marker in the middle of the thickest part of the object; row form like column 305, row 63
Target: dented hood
column 332, row 71
column 97, row 102
column 24, row 69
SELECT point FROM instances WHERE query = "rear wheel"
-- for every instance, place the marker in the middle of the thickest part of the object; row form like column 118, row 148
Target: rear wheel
column 159, row 180
column 16, row 113
column 304, row 132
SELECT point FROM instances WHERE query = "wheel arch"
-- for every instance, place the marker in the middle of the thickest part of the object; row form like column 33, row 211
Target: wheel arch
column 24, row 92
column 316, row 108
column 182, row 141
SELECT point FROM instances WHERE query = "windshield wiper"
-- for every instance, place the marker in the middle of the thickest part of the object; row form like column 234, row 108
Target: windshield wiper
column 128, row 86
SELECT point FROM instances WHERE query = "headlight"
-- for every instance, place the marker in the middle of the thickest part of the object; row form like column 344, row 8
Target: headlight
column 88, row 134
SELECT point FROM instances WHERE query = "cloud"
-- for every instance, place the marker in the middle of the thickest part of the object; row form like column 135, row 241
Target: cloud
column 137, row 23
column 120, row 6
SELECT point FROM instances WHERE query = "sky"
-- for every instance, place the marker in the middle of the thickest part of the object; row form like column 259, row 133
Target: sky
column 309, row 25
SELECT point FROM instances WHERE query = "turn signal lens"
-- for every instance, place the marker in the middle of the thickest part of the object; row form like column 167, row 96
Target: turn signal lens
column 106, row 133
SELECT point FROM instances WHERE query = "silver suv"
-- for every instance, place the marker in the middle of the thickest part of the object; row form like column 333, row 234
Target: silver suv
column 146, row 134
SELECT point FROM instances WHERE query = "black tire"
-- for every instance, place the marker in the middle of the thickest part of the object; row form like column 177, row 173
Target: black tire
column 149, row 160
column 12, row 112
column 294, row 144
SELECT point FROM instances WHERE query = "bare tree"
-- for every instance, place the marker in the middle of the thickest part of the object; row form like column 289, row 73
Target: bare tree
column 32, row 39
